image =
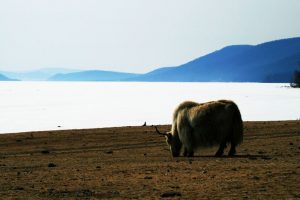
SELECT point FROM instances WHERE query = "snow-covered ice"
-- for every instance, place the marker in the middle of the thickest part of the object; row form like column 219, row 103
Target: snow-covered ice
column 33, row 106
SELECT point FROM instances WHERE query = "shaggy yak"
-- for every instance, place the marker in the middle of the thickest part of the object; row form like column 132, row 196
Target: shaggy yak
column 204, row 125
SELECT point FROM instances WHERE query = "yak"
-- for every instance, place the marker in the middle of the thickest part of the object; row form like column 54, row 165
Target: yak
column 207, row 124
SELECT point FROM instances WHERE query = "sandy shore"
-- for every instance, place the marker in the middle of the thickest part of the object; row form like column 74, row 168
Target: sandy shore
column 134, row 162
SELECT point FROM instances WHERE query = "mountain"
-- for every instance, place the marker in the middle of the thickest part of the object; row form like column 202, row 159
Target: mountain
column 36, row 75
column 4, row 78
column 273, row 61
column 93, row 75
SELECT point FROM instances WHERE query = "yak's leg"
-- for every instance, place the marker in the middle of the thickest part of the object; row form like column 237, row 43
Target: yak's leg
column 232, row 150
column 221, row 149
column 185, row 152
column 188, row 153
column 186, row 137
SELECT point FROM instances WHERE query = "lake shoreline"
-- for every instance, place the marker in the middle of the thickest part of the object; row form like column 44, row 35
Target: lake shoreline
column 117, row 127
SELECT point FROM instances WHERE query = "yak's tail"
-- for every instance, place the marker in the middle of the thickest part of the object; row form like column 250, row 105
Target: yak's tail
column 238, row 129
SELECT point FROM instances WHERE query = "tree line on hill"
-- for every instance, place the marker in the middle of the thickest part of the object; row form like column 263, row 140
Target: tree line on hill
column 296, row 79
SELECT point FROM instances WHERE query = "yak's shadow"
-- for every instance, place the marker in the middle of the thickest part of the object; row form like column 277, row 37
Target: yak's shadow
column 248, row 156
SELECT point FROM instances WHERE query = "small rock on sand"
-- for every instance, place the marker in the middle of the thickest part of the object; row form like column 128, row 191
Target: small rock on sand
column 51, row 165
column 170, row 194
column 109, row 152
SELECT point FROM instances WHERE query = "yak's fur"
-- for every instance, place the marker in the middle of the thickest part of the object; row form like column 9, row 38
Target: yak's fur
column 203, row 125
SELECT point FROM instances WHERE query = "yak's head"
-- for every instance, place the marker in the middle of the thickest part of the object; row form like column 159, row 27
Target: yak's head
column 172, row 141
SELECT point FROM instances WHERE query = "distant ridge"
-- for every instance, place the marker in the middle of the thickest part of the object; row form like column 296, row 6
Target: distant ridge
column 4, row 78
column 273, row 61
column 36, row 75
column 93, row 75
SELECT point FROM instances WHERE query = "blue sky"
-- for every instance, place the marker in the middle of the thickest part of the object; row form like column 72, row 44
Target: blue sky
column 134, row 35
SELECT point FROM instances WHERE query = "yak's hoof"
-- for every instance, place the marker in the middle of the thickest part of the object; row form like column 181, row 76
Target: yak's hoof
column 231, row 153
column 219, row 154
column 190, row 154
column 175, row 154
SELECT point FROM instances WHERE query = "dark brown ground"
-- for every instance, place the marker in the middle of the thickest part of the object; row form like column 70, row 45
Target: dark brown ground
column 134, row 162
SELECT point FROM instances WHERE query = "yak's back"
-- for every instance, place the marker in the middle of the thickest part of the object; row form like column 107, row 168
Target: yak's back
column 213, row 109
column 214, row 114
column 212, row 121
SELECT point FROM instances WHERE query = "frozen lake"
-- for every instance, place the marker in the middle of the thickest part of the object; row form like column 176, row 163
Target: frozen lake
column 33, row 106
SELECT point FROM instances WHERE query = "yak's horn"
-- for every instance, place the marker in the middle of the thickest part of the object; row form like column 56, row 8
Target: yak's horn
column 164, row 134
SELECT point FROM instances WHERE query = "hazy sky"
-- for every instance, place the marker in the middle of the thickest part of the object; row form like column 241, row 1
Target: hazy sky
column 134, row 35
